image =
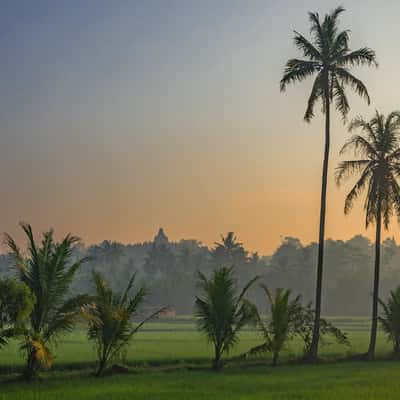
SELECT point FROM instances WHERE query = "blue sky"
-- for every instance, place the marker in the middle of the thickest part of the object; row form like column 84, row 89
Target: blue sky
column 120, row 116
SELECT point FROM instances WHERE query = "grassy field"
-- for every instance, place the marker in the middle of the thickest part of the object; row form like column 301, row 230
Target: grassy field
column 171, row 360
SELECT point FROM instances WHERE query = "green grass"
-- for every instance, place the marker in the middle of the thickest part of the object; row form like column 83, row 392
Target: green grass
column 333, row 381
column 171, row 360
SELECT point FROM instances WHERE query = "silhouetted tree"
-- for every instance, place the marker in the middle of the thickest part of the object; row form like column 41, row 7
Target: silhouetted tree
column 378, row 147
column 329, row 57
column 229, row 252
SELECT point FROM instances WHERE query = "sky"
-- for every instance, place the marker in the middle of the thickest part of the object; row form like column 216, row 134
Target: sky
column 118, row 117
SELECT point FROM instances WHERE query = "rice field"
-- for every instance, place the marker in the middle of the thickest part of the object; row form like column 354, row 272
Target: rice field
column 171, row 360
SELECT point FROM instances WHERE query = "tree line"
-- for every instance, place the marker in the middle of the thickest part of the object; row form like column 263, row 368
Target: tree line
column 170, row 269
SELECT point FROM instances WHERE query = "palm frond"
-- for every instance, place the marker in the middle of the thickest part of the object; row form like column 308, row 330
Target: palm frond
column 297, row 71
column 363, row 56
column 356, row 191
column 317, row 93
column 346, row 78
column 341, row 102
column 361, row 146
column 346, row 169
column 316, row 31
column 340, row 45
column 306, row 47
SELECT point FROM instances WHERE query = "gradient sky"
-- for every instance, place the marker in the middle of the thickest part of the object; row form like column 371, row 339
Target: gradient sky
column 118, row 117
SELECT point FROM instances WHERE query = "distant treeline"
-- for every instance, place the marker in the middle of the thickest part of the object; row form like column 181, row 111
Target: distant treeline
column 169, row 269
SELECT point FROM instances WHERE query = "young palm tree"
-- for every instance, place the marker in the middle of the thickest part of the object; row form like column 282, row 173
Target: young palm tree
column 109, row 316
column 47, row 271
column 281, row 327
column 288, row 318
column 390, row 321
column 328, row 58
column 221, row 312
column 378, row 168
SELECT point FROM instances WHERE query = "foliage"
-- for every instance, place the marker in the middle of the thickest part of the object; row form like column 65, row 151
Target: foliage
column 378, row 149
column 221, row 312
column 328, row 57
column 390, row 320
column 289, row 318
column 16, row 304
column 281, row 326
column 304, row 328
column 47, row 271
column 109, row 316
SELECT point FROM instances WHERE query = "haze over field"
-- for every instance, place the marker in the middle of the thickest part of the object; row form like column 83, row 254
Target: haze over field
column 120, row 117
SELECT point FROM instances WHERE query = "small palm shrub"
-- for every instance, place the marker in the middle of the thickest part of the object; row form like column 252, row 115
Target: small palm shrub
column 110, row 319
column 390, row 320
column 47, row 270
column 288, row 318
column 222, row 311
column 282, row 325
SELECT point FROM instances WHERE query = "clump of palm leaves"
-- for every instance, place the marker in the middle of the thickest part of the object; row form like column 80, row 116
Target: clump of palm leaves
column 222, row 311
column 16, row 304
column 282, row 324
column 110, row 319
column 288, row 318
column 390, row 320
column 47, row 270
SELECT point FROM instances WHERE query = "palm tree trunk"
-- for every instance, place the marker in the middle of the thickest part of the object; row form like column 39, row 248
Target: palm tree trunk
column 217, row 365
column 375, row 297
column 396, row 347
column 275, row 359
column 102, row 363
column 313, row 352
column 30, row 369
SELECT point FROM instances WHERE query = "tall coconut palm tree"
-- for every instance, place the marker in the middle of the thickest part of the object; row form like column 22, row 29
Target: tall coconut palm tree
column 328, row 58
column 47, row 270
column 377, row 168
